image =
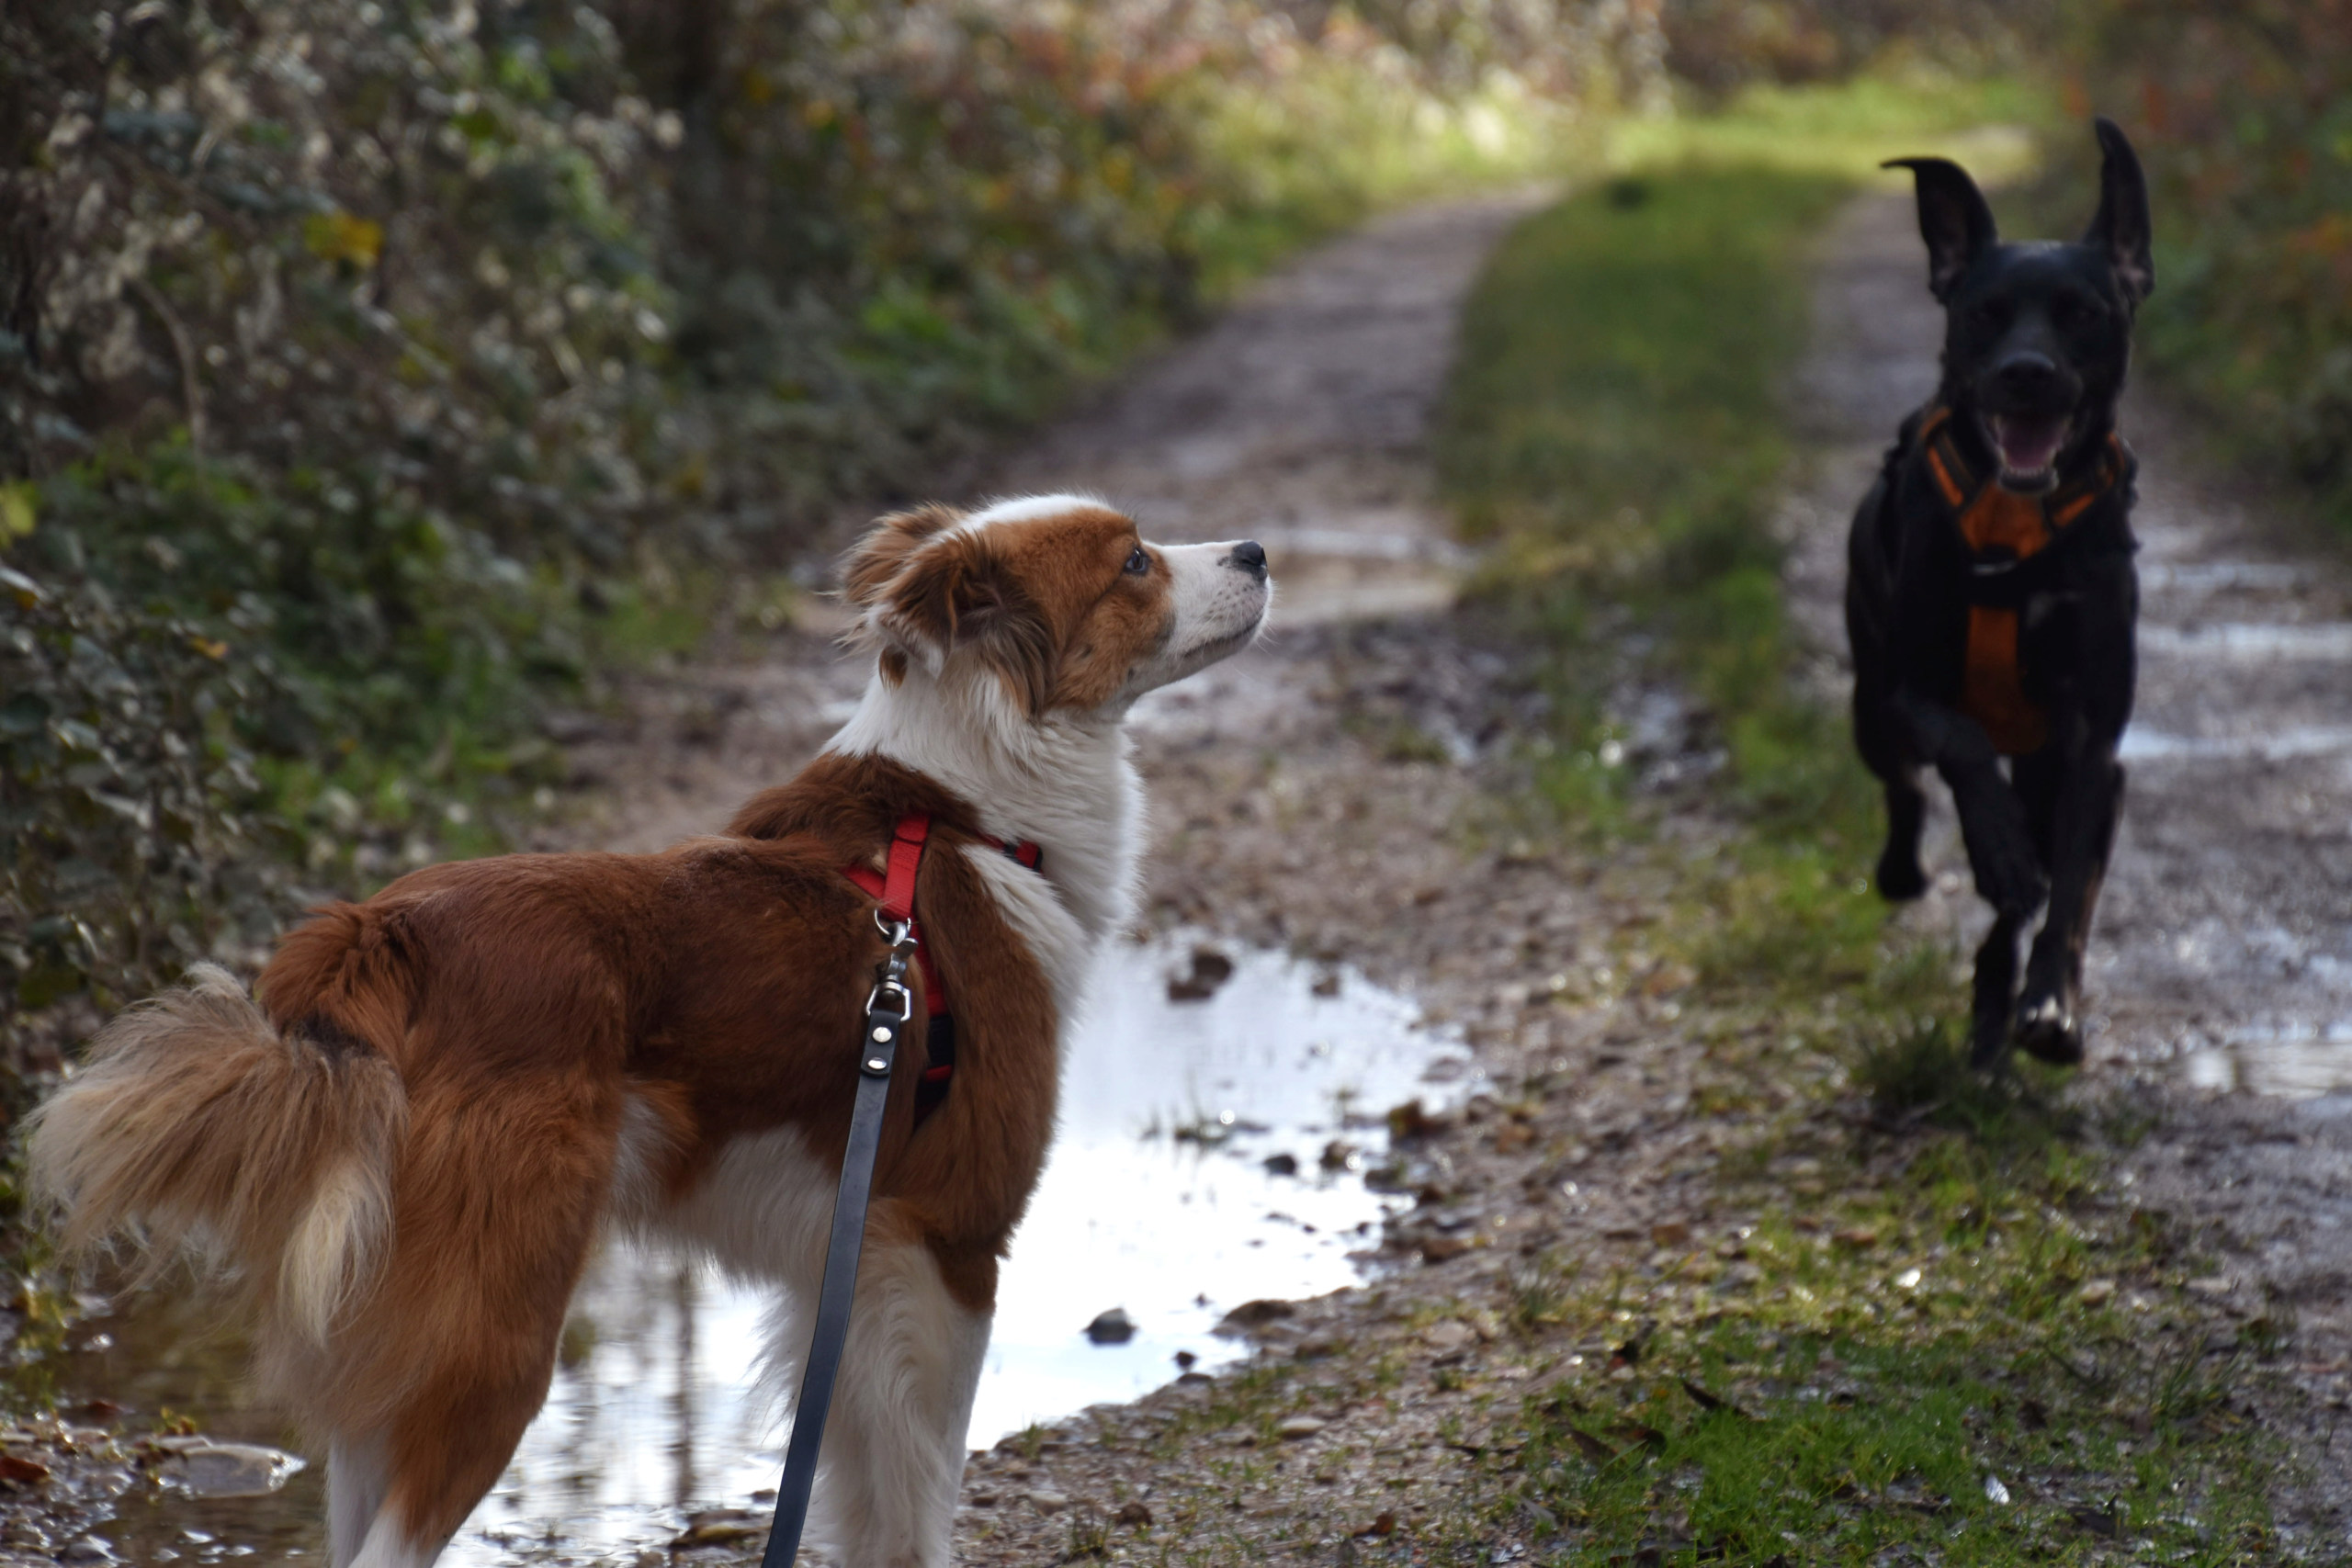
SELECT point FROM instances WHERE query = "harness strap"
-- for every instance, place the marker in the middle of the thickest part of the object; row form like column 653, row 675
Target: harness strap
column 894, row 889
column 2009, row 539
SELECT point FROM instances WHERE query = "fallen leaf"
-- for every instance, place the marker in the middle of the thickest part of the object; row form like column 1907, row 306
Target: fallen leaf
column 1592, row 1448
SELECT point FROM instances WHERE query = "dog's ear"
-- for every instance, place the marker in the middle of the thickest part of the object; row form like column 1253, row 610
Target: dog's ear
column 1953, row 220
column 2121, row 228
column 957, row 598
column 888, row 546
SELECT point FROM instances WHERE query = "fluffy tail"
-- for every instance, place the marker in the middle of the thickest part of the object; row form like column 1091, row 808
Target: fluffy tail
column 194, row 1128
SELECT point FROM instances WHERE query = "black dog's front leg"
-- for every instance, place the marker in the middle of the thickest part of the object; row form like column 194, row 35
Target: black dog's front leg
column 2088, row 800
column 1992, row 820
column 1996, row 980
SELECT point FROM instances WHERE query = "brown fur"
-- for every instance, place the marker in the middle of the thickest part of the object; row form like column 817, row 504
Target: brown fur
column 469, row 1039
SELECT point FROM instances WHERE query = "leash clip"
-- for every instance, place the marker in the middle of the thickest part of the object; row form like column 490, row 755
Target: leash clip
column 890, row 996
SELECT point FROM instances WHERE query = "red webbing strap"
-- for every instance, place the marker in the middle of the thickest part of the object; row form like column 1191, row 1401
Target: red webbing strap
column 894, row 889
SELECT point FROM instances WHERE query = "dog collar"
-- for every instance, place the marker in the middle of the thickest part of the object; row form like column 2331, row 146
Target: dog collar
column 893, row 888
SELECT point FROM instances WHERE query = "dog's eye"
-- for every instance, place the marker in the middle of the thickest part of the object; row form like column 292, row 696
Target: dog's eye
column 1139, row 563
column 2072, row 311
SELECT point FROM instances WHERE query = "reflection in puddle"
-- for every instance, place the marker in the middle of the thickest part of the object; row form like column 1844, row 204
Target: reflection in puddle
column 1158, row 1199
column 2221, row 576
column 2284, row 745
column 2294, row 1061
column 2251, row 640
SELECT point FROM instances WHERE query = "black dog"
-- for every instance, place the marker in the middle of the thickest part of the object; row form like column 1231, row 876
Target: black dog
column 1990, row 595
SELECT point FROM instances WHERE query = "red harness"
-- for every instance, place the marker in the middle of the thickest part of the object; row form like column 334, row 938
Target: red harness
column 895, row 890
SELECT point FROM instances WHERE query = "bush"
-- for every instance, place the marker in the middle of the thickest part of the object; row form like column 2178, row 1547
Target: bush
column 2242, row 115
column 373, row 373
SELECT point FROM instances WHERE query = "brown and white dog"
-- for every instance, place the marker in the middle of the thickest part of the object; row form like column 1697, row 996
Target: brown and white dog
column 406, row 1151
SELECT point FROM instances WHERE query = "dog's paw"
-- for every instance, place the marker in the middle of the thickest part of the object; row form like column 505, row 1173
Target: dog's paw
column 2046, row 1029
column 1900, row 880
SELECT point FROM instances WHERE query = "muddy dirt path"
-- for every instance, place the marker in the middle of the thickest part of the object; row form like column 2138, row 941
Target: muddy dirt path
column 2219, row 975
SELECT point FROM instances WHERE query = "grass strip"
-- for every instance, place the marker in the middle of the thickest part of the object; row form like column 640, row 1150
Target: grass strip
column 1941, row 1335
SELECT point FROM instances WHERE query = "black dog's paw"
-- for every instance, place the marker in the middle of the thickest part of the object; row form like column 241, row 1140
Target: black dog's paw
column 1900, row 880
column 2045, row 1028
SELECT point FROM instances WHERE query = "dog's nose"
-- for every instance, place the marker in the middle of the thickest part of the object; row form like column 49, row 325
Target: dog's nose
column 1248, row 556
column 2028, row 375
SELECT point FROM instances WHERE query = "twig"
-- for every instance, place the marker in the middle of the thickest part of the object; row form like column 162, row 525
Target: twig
column 191, row 391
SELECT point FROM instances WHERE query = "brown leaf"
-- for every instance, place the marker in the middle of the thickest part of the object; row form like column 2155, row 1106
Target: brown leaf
column 18, row 1471
column 1592, row 1448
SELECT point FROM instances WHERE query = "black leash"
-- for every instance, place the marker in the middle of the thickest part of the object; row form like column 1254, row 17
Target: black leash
column 886, row 1011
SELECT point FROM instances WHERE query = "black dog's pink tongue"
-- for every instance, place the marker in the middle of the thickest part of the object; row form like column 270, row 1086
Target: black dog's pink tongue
column 2028, row 445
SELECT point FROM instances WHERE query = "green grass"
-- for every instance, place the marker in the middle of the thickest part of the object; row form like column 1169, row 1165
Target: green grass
column 1946, row 1289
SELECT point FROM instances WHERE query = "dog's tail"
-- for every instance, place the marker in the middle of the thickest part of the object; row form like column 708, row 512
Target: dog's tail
column 196, row 1128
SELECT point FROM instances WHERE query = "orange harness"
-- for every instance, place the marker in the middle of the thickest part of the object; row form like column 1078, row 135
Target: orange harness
column 2003, row 530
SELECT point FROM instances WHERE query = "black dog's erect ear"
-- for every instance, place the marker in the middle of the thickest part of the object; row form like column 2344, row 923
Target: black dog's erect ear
column 2121, row 227
column 1953, row 218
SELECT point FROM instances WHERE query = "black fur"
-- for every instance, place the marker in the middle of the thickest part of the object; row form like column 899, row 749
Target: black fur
column 2035, row 335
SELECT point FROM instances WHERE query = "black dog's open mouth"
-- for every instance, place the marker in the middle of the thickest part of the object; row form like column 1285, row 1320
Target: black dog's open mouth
column 2028, row 445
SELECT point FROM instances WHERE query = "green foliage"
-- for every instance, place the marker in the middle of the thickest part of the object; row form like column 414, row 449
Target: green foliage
column 2243, row 116
column 128, row 845
column 420, row 362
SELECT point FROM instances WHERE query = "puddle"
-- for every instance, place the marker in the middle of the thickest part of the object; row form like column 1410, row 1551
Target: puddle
column 2252, row 640
column 2286, row 744
column 2292, row 1061
column 2221, row 576
column 1158, row 1200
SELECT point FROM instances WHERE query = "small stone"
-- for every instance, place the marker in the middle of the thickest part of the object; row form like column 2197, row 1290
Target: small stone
column 1185, row 1360
column 1443, row 1248
column 1281, row 1165
column 720, row 1526
column 1385, row 1524
column 1860, row 1238
column 1210, row 970
column 1739, row 1277
column 1448, row 1335
column 1670, row 1233
column 201, row 1468
column 1315, row 1347
column 1411, row 1120
column 1254, row 1314
column 1113, row 1327
column 1048, row 1501
column 983, row 1499
column 1296, row 1426
column 1326, row 985
column 2095, row 1293
column 2211, row 1285
column 1133, row 1512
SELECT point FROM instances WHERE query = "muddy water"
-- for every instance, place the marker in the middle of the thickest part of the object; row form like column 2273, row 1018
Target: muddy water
column 1161, row 1200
